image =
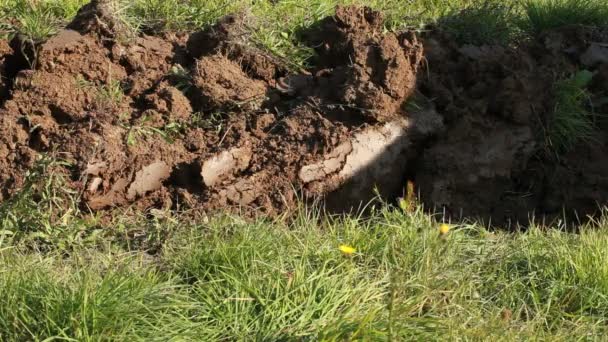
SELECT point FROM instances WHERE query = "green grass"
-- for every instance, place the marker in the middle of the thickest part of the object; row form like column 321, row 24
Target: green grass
column 65, row 274
column 287, row 280
column 84, row 298
column 543, row 15
column 37, row 20
column 276, row 28
column 162, row 15
column 572, row 119
column 487, row 23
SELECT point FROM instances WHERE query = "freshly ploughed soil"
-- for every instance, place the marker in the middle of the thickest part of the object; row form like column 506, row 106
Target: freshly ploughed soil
column 207, row 121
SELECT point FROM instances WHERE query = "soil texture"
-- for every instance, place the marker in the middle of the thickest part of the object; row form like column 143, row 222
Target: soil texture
column 208, row 121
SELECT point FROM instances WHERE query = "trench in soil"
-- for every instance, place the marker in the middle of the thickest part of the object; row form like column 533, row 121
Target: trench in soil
column 206, row 121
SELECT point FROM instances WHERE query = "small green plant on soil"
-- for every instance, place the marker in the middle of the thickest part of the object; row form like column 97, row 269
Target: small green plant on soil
column 172, row 130
column 213, row 120
column 124, row 117
column 572, row 120
column 543, row 15
column 168, row 132
column 45, row 212
column 181, row 78
column 83, row 83
column 110, row 94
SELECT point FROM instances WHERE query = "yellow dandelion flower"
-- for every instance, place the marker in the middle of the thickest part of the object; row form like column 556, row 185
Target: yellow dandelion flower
column 444, row 228
column 348, row 250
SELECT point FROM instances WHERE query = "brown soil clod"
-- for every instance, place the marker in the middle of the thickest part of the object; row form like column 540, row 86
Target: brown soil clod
column 224, row 164
column 147, row 60
column 221, row 84
column 231, row 37
column 148, row 179
column 372, row 71
column 99, row 17
column 170, row 103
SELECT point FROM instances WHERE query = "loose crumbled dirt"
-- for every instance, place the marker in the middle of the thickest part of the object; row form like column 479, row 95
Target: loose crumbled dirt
column 208, row 121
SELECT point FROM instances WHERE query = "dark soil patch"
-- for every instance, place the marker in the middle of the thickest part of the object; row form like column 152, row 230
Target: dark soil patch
column 5, row 52
column 493, row 161
column 209, row 122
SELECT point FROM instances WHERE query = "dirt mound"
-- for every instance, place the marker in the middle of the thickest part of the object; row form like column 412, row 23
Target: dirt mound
column 210, row 121
column 139, row 128
column 372, row 71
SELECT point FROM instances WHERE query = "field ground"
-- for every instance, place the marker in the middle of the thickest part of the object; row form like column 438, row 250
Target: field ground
column 272, row 280
column 393, row 274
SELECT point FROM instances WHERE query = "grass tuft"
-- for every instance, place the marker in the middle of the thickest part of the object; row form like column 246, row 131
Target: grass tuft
column 85, row 298
column 482, row 24
column 163, row 15
column 45, row 212
column 37, row 20
column 572, row 121
column 544, row 15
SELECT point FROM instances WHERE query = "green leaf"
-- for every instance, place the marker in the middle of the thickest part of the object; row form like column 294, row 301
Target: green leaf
column 131, row 139
column 583, row 78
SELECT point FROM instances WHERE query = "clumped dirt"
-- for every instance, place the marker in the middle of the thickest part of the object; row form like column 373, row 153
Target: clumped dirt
column 208, row 121
column 372, row 71
column 230, row 37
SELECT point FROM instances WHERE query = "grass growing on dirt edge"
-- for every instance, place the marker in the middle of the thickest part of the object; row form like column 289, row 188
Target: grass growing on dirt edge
column 230, row 278
column 278, row 23
column 573, row 121
column 276, row 28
